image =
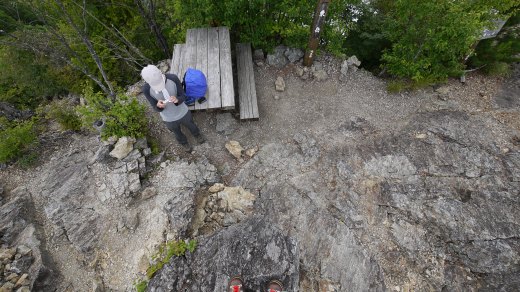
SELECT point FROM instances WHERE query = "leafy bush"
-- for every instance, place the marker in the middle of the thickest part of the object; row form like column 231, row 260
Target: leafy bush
column 63, row 112
column 26, row 79
column 124, row 116
column 16, row 140
column 141, row 286
column 431, row 39
column 494, row 54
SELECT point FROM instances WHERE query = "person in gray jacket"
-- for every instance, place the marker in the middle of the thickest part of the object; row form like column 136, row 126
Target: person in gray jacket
column 165, row 94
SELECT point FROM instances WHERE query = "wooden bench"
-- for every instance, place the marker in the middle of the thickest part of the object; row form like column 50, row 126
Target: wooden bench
column 208, row 50
column 246, row 82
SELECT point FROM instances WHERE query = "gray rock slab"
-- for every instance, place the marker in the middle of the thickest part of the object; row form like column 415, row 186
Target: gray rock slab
column 254, row 249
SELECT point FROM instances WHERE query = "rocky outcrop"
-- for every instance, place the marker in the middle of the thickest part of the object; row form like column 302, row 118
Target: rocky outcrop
column 22, row 266
column 432, row 207
column 253, row 249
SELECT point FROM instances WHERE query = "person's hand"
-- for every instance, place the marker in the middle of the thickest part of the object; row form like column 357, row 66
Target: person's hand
column 161, row 104
column 174, row 99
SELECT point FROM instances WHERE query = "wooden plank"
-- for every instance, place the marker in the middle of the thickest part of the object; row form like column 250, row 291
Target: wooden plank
column 202, row 59
column 252, row 84
column 176, row 58
column 241, row 79
column 226, row 74
column 190, row 58
column 213, row 77
column 246, row 82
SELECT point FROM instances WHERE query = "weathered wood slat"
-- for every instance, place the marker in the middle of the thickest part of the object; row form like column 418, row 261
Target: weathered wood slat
column 202, row 59
column 190, row 59
column 246, row 83
column 226, row 74
column 176, row 58
column 213, row 76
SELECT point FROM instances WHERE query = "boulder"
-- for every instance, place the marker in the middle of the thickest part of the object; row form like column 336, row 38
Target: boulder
column 277, row 58
column 123, row 147
column 254, row 249
column 293, row 54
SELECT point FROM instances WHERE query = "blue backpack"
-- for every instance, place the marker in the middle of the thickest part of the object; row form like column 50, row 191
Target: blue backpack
column 195, row 86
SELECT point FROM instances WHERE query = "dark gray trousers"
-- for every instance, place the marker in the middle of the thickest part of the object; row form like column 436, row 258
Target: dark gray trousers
column 187, row 121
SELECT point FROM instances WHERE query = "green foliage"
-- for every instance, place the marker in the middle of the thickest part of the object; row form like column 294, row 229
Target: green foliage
column 141, row 286
column 500, row 69
column 430, row 39
column 264, row 24
column 154, row 144
column 63, row 112
column 400, row 84
column 366, row 39
column 27, row 79
column 493, row 55
column 124, row 116
column 17, row 139
column 28, row 160
column 167, row 251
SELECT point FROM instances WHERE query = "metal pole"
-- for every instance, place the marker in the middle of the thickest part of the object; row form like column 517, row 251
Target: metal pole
column 314, row 39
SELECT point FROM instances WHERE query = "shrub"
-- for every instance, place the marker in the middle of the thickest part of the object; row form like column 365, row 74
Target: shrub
column 64, row 113
column 141, row 286
column 501, row 69
column 494, row 54
column 16, row 140
column 124, row 116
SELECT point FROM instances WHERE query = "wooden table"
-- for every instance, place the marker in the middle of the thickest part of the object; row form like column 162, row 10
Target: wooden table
column 208, row 50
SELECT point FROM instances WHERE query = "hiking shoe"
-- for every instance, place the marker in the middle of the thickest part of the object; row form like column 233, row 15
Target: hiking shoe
column 200, row 139
column 201, row 100
column 187, row 147
column 274, row 286
column 235, row 285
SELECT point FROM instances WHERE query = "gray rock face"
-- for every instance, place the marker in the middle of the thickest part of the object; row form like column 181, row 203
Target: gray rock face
column 11, row 113
column 253, row 249
column 432, row 207
column 24, row 257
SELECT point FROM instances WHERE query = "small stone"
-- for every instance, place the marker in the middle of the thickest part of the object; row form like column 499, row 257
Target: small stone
column 7, row 287
column 23, row 281
column 443, row 90
column 421, row 136
column 505, row 150
column 251, row 151
column 13, row 277
column 235, row 149
column 216, row 188
column 7, row 254
column 320, row 75
column 397, row 288
column 276, row 97
column 147, row 151
column 279, row 84
column 23, row 289
column 299, row 71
